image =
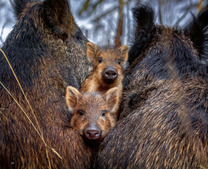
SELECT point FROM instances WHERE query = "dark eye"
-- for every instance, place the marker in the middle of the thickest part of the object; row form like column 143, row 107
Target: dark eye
column 79, row 36
column 119, row 62
column 104, row 113
column 80, row 112
column 100, row 60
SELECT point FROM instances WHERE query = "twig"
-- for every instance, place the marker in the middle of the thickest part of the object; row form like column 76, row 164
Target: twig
column 40, row 133
column 184, row 15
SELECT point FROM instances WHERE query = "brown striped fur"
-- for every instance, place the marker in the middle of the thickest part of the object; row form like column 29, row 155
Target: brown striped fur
column 117, row 58
column 92, row 108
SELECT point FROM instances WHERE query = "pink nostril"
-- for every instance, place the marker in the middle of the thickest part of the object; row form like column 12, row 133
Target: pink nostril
column 92, row 134
column 110, row 73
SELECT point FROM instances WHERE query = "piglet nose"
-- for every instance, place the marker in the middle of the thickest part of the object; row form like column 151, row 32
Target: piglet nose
column 110, row 73
column 92, row 134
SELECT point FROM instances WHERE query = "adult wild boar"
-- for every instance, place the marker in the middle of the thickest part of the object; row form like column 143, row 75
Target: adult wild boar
column 47, row 52
column 164, row 116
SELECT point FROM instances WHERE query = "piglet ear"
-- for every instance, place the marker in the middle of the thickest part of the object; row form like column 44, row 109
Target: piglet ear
column 124, row 50
column 112, row 99
column 72, row 97
column 92, row 50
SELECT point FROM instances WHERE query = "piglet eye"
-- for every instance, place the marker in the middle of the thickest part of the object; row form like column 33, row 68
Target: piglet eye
column 80, row 112
column 104, row 113
column 100, row 60
column 119, row 62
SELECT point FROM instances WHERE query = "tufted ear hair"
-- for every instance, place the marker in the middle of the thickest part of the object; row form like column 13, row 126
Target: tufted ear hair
column 58, row 16
column 92, row 50
column 197, row 31
column 112, row 98
column 19, row 6
column 72, row 97
column 144, row 25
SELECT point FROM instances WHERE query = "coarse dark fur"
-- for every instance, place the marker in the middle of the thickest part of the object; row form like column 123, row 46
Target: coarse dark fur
column 47, row 51
column 164, row 120
column 143, row 32
column 197, row 30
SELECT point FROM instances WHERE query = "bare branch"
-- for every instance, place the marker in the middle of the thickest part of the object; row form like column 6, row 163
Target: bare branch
column 93, row 7
column 119, row 31
column 85, row 7
column 105, row 13
column 160, row 11
column 184, row 15
column 200, row 5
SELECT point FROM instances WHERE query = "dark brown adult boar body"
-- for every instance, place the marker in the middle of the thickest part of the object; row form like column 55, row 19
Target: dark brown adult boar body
column 164, row 116
column 47, row 52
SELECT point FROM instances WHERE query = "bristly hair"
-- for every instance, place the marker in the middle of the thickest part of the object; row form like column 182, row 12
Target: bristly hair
column 197, row 30
column 144, row 26
column 19, row 5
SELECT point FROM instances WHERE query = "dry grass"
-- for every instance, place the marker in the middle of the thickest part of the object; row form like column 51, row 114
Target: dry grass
column 37, row 129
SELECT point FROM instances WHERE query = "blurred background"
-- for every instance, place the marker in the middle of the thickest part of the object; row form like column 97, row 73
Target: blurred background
column 109, row 23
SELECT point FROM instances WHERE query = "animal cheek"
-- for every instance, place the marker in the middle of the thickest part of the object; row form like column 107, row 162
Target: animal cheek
column 99, row 69
column 79, row 125
column 119, row 69
column 98, row 75
column 104, row 125
column 112, row 119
